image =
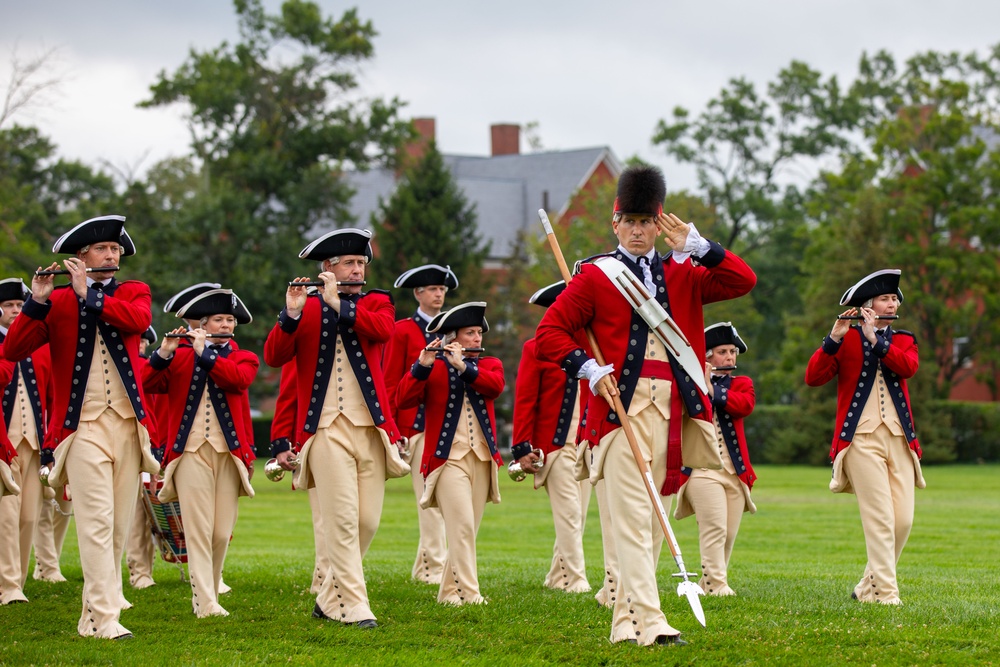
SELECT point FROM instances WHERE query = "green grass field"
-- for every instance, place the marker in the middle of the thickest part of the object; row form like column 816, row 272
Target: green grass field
column 794, row 566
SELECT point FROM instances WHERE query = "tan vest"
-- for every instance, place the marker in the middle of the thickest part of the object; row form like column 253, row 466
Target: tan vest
column 469, row 435
column 206, row 428
column 879, row 409
column 105, row 389
column 22, row 419
column 727, row 462
column 652, row 391
column 343, row 394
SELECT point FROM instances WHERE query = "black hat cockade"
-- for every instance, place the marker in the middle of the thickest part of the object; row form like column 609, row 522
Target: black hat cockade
column 428, row 274
column 546, row 296
column 216, row 302
column 14, row 289
column 875, row 284
column 641, row 191
column 339, row 242
column 180, row 299
column 149, row 335
column 723, row 333
column 106, row 228
column 470, row 314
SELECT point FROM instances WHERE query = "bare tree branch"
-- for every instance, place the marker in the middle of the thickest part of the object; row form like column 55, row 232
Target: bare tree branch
column 29, row 80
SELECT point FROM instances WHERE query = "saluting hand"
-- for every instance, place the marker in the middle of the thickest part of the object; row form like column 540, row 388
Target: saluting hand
column 675, row 230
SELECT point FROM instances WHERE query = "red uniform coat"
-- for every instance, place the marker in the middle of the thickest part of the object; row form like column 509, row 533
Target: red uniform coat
column 441, row 385
column 39, row 383
column 233, row 373
column 125, row 307
column 283, row 422
column 368, row 319
column 407, row 342
column 733, row 400
column 7, row 451
column 544, row 399
column 896, row 352
column 591, row 300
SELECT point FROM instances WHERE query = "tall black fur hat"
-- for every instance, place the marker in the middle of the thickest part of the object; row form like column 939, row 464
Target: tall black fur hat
column 641, row 190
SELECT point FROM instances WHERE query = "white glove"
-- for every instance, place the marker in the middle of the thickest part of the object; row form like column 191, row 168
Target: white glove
column 695, row 245
column 593, row 372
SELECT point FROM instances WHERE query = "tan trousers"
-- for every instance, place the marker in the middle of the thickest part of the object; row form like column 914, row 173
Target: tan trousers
column 432, row 549
column 322, row 560
column 139, row 552
column 347, row 463
column 608, row 593
column 718, row 501
column 569, row 500
column 462, row 491
column 638, row 536
column 880, row 469
column 102, row 466
column 208, row 486
column 18, row 518
column 50, row 533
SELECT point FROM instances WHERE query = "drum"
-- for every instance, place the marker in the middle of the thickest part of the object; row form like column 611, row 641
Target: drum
column 165, row 519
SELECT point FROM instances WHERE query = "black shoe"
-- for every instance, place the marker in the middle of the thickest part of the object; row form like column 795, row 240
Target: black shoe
column 318, row 613
column 127, row 635
column 367, row 624
column 854, row 596
column 673, row 640
column 631, row 641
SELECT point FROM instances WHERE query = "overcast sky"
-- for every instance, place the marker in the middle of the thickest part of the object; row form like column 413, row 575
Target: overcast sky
column 589, row 72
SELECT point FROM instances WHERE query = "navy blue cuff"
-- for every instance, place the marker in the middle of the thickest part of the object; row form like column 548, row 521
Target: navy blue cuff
column 520, row 449
column 420, row 372
column 881, row 346
column 287, row 324
column 158, row 363
column 348, row 312
column 470, row 373
column 207, row 358
column 830, row 346
column 95, row 300
column 158, row 453
column 35, row 310
column 47, row 456
column 720, row 398
column 716, row 253
column 574, row 362
column 280, row 445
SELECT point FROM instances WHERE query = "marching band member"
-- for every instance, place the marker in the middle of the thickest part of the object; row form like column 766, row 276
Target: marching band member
column 875, row 451
column 460, row 465
column 430, row 283
column 349, row 438
column 661, row 399
column 139, row 550
column 209, row 464
column 25, row 407
column 8, row 485
column 98, row 439
column 547, row 410
column 718, row 498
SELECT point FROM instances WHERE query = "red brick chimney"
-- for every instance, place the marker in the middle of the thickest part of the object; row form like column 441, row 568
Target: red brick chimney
column 414, row 150
column 506, row 139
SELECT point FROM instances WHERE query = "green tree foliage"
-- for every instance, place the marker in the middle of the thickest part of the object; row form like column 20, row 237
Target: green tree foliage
column 273, row 127
column 428, row 220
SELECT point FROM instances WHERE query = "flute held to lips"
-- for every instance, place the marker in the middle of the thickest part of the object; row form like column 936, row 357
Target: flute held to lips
column 464, row 349
column 65, row 272
column 320, row 283
column 859, row 317
column 723, row 368
column 188, row 335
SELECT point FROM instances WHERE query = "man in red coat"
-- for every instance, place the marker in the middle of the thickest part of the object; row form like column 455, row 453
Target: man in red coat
column 875, row 451
column 547, row 410
column 25, row 408
column 8, row 485
column 349, row 439
column 98, row 439
column 210, row 461
column 653, row 387
column 719, row 498
column 430, row 283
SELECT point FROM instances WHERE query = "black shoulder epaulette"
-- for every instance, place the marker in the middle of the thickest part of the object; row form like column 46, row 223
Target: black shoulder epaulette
column 905, row 333
column 380, row 291
column 62, row 286
column 589, row 260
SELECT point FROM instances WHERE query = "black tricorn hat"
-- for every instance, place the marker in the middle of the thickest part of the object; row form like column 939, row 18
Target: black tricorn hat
column 641, row 190
column 216, row 302
column 347, row 241
column 723, row 333
column 13, row 289
column 177, row 301
column 546, row 296
column 885, row 281
column 428, row 274
column 470, row 314
column 149, row 334
column 96, row 230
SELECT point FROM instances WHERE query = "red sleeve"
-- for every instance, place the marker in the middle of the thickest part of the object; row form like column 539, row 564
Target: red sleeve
column 283, row 423
column 490, row 380
column 903, row 356
column 130, row 315
column 375, row 317
column 394, row 366
column 741, row 397
column 527, row 386
column 236, row 372
column 410, row 393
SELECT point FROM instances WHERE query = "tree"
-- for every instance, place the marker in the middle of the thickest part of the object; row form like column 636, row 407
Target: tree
column 272, row 135
column 428, row 220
